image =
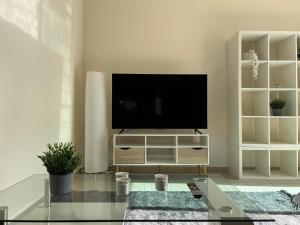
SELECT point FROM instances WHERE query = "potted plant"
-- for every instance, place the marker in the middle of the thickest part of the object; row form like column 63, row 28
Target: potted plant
column 277, row 106
column 60, row 160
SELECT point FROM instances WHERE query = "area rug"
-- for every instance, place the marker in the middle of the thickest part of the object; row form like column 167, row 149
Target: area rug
column 171, row 200
column 275, row 202
column 278, row 204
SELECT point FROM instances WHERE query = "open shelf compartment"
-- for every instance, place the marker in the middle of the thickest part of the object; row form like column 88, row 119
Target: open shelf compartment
column 298, row 162
column 161, row 141
column 161, row 156
column 284, row 163
column 298, row 130
column 283, row 130
column 283, row 75
column 298, row 72
column 282, row 47
column 298, row 93
column 254, row 103
column 257, row 42
column 247, row 76
column 255, row 131
column 289, row 97
column 129, row 141
column 192, row 141
column 255, row 163
column 298, row 47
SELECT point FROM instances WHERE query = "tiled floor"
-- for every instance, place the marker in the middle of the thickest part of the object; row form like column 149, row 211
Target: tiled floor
column 292, row 186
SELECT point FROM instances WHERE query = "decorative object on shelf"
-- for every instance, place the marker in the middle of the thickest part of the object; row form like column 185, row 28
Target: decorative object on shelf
column 60, row 160
column 122, row 174
column 277, row 105
column 255, row 64
column 161, row 182
column 298, row 53
column 251, row 55
column 122, row 186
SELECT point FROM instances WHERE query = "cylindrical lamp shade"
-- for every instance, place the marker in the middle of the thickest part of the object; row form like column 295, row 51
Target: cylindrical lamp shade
column 96, row 129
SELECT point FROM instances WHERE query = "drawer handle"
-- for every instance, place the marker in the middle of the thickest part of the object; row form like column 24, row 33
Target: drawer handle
column 197, row 148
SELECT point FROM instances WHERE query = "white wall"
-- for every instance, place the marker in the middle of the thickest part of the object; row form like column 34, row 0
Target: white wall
column 176, row 36
column 40, row 64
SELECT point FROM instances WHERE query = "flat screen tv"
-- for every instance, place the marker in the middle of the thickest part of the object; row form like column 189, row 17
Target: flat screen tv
column 159, row 101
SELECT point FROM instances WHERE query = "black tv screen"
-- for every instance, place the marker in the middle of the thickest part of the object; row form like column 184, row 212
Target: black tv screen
column 153, row 101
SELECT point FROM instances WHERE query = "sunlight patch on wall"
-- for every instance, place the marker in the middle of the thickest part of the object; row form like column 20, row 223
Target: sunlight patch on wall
column 55, row 34
column 21, row 13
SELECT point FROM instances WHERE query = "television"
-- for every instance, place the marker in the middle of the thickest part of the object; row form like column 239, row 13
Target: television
column 159, row 101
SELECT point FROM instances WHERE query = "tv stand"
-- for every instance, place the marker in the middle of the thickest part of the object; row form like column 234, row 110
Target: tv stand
column 158, row 149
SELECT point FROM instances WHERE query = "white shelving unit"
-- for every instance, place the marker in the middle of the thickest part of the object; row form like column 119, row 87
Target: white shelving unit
column 160, row 149
column 262, row 145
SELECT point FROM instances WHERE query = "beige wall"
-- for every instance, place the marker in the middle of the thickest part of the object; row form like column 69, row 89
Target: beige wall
column 40, row 82
column 176, row 36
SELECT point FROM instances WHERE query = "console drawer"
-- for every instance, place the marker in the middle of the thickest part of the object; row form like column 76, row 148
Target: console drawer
column 130, row 156
column 193, row 156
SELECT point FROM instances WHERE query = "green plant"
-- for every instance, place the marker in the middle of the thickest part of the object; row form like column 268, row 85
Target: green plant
column 277, row 103
column 61, row 158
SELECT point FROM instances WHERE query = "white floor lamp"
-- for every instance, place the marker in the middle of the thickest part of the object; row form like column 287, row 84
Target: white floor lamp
column 96, row 129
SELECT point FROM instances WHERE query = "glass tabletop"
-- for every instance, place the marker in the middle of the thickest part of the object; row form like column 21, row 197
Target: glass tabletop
column 94, row 199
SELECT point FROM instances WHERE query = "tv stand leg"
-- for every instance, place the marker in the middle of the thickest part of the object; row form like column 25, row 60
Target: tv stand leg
column 159, row 169
column 204, row 169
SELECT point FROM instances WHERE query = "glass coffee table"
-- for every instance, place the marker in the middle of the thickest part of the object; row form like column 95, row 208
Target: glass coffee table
column 94, row 200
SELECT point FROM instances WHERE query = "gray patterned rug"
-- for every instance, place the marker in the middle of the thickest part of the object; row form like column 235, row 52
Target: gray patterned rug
column 171, row 200
column 277, row 203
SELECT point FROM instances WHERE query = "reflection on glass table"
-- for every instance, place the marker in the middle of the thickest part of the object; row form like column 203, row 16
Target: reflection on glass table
column 94, row 199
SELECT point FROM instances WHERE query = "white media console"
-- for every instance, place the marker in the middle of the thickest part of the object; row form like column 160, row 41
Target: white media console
column 136, row 149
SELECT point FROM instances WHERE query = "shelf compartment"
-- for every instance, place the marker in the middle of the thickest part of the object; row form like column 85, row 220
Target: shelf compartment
column 254, row 103
column 192, row 141
column 262, row 78
column 282, row 47
column 129, row 141
column 284, row 163
column 257, row 42
column 298, row 162
column 283, row 76
column 298, row 73
column 289, row 97
column 298, row 47
column 298, row 130
column 130, row 156
column 159, row 156
column 298, row 93
column 256, row 163
column 193, row 156
column 154, row 141
column 255, row 131
column 283, row 131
